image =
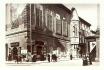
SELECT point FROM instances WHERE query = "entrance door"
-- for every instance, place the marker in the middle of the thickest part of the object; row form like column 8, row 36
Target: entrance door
column 39, row 50
column 14, row 53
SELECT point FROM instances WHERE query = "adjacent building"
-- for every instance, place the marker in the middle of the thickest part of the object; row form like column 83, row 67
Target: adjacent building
column 84, row 30
column 79, row 29
column 74, row 33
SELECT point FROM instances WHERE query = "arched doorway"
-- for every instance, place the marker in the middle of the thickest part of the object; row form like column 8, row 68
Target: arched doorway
column 39, row 50
column 14, row 53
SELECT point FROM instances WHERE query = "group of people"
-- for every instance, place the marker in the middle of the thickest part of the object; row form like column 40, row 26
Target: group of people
column 17, row 58
column 87, row 60
column 54, row 58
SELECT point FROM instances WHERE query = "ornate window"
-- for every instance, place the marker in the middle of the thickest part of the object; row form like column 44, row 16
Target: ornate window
column 38, row 17
column 58, row 24
column 49, row 21
column 64, row 28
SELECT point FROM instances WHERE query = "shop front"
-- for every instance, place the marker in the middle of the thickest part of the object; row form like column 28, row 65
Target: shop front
column 39, row 49
column 14, row 50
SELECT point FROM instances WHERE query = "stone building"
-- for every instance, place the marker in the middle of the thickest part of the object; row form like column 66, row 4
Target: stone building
column 37, row 29
column 74, row 33
column 79, row 28
column 84, row 30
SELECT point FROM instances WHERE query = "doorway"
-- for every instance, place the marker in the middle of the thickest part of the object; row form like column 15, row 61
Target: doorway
column 39, row 50
column 14, row 54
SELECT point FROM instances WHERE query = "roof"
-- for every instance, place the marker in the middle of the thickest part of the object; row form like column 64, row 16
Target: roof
column 64, row 8
column 94, row 32
column 85, row 22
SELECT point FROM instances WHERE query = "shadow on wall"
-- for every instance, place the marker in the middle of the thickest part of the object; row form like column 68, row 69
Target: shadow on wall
column 48, row 36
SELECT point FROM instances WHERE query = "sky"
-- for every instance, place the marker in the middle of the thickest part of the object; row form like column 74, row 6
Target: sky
column 86, row 11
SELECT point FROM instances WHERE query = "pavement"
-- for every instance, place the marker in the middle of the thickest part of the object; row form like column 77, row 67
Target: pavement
column 60, row 62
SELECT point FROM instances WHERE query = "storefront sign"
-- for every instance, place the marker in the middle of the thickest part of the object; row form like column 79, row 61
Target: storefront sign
column 14, row 44
column 23, row 51
column 39, row 42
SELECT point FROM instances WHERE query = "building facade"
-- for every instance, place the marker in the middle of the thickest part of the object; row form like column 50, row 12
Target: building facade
column 74, row 33
column 37, row 29
column 79, row 29
column 84, row 30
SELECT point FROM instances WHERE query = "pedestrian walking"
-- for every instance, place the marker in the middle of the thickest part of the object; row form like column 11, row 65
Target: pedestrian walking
column 90, row 58
column 20, row 58
column 55, row 57
column 88, row 61
column 48, row 57
column 16, row 58
column 52, row 59
column 84, row 60
column 34, row 58
column 71, row 56
column 9, row 57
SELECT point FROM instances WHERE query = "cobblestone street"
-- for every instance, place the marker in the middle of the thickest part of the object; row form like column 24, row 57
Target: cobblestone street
column 60, row 62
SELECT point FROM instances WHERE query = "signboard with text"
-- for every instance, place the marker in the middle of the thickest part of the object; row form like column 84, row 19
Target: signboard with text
column 75, row 40
column 14, row 44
